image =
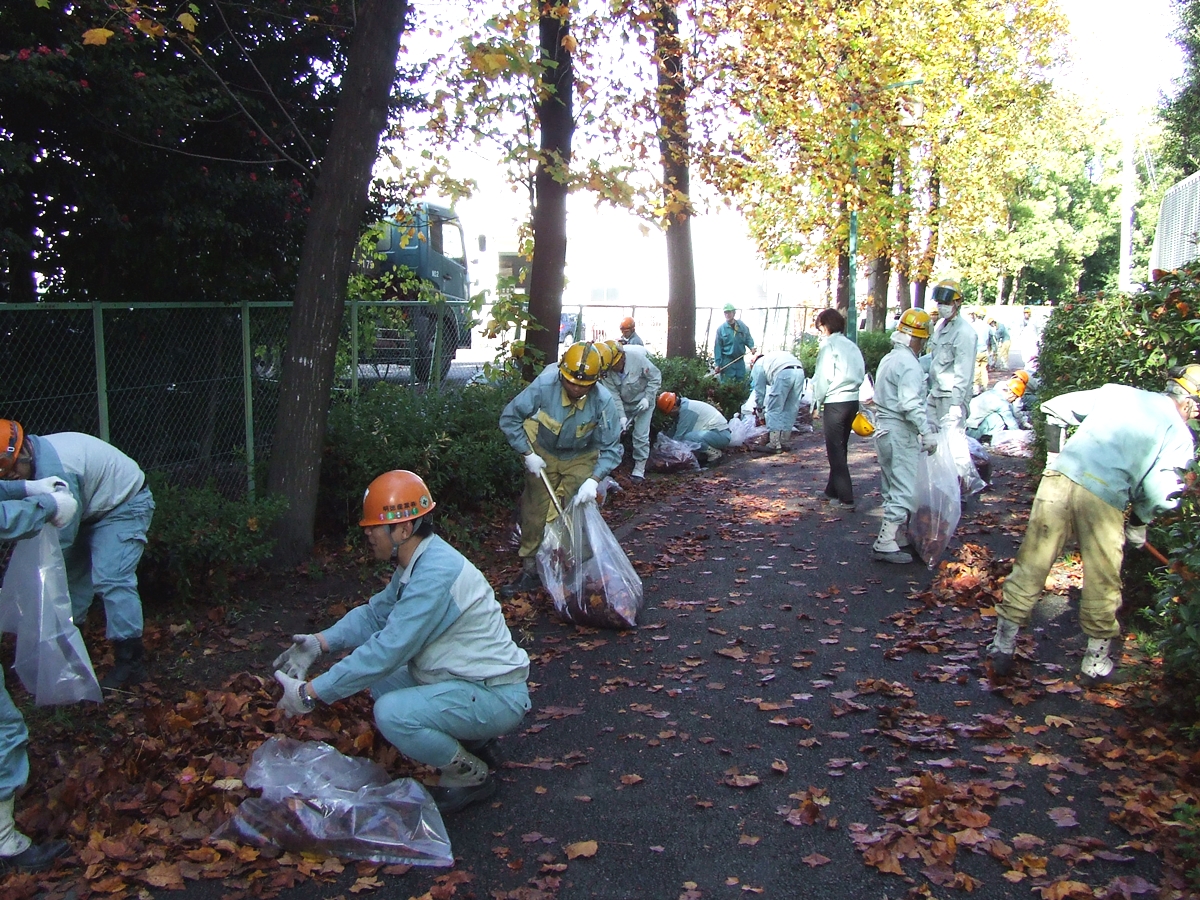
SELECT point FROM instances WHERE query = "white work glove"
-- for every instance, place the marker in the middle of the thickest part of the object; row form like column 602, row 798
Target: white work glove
column 66, row 507
column 296, row 659
column 954, row 416
column 290, row 701
column 534, row 464
column 587, row 492
column 642, row 406
column 44, row 486
column 929, row 443
column 1050, row 458
column 624, row 424
column 1135, row 535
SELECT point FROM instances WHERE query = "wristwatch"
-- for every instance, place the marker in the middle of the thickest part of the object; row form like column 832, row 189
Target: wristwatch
column 306, row 701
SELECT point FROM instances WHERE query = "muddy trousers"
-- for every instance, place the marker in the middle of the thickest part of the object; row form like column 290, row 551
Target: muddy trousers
column 565, row 476
column 1060, row 508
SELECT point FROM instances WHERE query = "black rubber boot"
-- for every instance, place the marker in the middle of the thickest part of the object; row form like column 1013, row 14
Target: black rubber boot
column 450, row 800
column 35, row 857
column 528, row 580
column 488, row 751
column 130, row 665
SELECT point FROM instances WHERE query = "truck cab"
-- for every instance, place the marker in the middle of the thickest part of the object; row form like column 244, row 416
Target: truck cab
column 426, row 240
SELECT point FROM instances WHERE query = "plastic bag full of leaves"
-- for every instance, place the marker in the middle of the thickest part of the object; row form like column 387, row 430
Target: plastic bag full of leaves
column 670, row 455
column 315, row 799
column 586, row 572
column 939, row 503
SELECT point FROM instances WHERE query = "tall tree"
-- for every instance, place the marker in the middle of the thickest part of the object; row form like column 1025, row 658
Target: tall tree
column 333, row 229
column 1180, row 113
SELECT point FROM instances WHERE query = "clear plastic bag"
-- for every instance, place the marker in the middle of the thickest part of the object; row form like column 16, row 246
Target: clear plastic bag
column 315, row 799
column 968, row 476
column 743, row 430
column 670, row 455
column 866, row 393
column 939, row 503
column 586, row 572
column 1013, row 443
column 35, row 605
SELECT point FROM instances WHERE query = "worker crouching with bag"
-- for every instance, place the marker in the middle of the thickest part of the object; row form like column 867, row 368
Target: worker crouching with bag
column 432, row 647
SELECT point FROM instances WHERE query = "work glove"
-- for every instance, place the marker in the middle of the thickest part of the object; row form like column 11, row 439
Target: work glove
column 296, row 659
column 290, row 701
column 44, row 486
column 954, row 416
column 65, row 507
column 624, row 424
column 642, row 406
column 587, row 492
column 534, row 464
column 929, row 443
column 1135, row 535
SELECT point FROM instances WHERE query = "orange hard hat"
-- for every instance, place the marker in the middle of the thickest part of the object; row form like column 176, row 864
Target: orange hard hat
column 1017, row 386
column 12, row 438
column 1022, row 374
column 667, row 402
column 627, row 324
column 395, row 497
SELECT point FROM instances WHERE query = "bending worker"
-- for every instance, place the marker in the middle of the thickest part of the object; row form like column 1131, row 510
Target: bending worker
column 432, row 647
column 27, row 506
column 951, row 358
column 567, row 428
column 731, row 345
column 1123, row 456
column 992, row 411
column 697, row 422
column 778, row 381
column 837, row 379
column 634, row 383
column 902, row 430
column 102, row 547
column 629, row 333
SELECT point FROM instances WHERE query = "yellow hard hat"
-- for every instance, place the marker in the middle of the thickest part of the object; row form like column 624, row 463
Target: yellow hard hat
column 862, row 425
column 915, row 322
column 581, row 363
column 606, row 355
column 947, row 291
column 1188, row 378
column 618, row 352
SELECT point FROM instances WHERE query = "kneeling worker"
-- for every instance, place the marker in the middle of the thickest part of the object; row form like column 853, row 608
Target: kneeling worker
column 697, row 422
column 992, row 411
column 432, row 647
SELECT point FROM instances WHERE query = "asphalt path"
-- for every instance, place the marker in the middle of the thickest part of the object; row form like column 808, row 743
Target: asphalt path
column 759, row 732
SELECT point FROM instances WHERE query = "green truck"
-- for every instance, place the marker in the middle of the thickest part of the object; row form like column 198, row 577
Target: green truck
column 421, row 246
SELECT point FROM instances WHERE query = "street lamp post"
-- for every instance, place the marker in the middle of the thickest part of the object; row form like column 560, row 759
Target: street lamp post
column 852, row 249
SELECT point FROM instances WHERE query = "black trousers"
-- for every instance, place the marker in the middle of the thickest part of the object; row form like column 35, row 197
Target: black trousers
column 838, row 418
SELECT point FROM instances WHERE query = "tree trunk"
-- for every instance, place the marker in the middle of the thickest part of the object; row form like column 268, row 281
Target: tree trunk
column 842, row 300
column 919, row 299
column 329, row 241
column 556, row 121
column 903, row 290
column 673, row 142
column 929, row 255
column 879, row 275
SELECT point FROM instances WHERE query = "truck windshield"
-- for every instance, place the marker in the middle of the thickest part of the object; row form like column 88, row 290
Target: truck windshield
column 446, row 237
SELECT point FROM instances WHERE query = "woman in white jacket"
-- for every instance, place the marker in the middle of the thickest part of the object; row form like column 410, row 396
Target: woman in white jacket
column 837, row 379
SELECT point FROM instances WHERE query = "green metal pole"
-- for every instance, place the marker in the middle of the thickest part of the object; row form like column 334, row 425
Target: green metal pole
column 101, row 370
column 852, row 243
column 248, row 397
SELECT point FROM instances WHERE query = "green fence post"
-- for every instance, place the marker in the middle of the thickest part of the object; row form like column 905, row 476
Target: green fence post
column 101, row 369
column 248, row 396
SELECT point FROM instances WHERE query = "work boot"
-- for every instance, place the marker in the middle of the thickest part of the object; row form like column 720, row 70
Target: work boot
column 886, row 549
column 464, row 780
column 488, row 751
column 1097, row 666
column 639, row 472
column 528, row 580
column 711, row 455
column 18, row 852
column 130, row 665
column 1003, row 646
column 771, row 446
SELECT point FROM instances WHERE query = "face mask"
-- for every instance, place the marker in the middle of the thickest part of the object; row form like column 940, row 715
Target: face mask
column 945, row 310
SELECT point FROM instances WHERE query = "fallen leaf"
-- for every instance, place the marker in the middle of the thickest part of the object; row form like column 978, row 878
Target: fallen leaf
column 1063, row 816
column 815, row 859
column 368, row 883
column 584, row 849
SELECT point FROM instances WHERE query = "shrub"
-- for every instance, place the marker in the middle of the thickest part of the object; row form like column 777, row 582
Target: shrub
column 693, row 379
column 201, row 540
column 451, row 439
column 875, row 345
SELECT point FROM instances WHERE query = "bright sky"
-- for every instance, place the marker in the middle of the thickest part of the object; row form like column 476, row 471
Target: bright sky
column 1123, row 52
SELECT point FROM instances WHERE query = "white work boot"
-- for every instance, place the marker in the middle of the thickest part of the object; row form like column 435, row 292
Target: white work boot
column 464, row 780
column 19, row 852
column 1097, row 665
column 711, row 455
column 1003, row 646
column 639, row 471
column 775, row 441
column 886, row 549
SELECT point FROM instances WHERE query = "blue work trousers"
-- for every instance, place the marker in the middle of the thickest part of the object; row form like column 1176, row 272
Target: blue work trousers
column 782, row 400
column 716, row 439
column 104, row 559
column 14, row 760
column 426, row 722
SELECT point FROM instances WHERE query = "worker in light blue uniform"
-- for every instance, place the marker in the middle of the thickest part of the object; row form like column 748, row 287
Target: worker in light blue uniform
column 102, row 547
column 902, row 431
column 696, row 422
column 1123, row 457
column 950, row 361
column 732, row 343
column 837, row 378
column 634, row 382
column 432, row 648
column 992, row 411
column 778, row 382
column 566, row 427
column 25, row 507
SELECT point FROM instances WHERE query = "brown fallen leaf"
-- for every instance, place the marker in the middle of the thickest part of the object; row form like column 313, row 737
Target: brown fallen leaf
column 1063, row 816
column 584, row 849
column 363, row 885
column 748, row 840
column 631, row 779
column 815, row 859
